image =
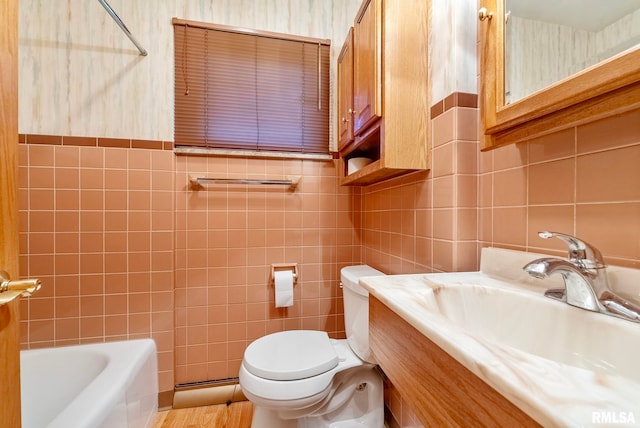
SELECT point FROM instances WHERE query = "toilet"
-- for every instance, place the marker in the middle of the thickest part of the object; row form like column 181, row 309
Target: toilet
column 304, row 379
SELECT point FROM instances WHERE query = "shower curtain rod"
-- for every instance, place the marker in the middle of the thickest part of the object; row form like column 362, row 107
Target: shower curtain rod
column 124, row 28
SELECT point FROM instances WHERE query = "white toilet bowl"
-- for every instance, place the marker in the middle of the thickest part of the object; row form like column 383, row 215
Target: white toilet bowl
column 304, row 379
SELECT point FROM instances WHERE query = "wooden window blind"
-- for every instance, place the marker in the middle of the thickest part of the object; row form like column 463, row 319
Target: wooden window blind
column 250, row 91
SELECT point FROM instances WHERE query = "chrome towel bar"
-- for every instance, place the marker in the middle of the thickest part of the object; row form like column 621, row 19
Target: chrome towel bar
column 199, row 182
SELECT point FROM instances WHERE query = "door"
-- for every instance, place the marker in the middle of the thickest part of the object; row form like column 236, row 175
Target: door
column 9, row 313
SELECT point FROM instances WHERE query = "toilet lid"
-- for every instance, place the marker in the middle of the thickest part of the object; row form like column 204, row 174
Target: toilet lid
column 291, row 355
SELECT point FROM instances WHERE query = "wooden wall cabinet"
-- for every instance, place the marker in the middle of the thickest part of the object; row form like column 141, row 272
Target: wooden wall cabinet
column 390, row 98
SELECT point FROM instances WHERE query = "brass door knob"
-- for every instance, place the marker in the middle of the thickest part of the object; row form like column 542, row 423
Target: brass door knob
column 9, row 290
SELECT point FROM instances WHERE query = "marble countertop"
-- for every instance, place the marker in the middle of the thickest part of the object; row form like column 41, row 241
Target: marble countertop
column 552, row 391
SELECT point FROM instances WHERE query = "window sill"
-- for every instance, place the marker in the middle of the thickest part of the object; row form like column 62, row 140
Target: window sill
column 201, row 151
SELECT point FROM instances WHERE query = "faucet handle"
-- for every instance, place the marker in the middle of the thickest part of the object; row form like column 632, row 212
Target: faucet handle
column 581, row 253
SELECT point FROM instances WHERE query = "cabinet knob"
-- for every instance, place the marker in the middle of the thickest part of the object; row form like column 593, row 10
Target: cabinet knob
column 352, row 112
column 483, row 14
column 345, row 120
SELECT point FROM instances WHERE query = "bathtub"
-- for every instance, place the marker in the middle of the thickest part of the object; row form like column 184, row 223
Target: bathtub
column 112, row 384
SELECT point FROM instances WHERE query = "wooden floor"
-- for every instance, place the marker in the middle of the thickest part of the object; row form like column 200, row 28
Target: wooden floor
column 235, row 415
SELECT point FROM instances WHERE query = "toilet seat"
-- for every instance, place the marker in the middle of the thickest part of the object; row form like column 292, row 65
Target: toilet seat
column 296, row 393
column 291, row 355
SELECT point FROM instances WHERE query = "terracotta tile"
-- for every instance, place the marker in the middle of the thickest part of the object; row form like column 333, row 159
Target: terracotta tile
column 443, row 256
column 67, row 307
column 467, row 124
column 91, row 178
column 41, row 309
column 41, row 331
column 485, row 224
column 467, row 157
column 509, row 226
column 139, row 323
column 554, row 146
column 42, row 200
column 162, row 161
column 67, row 178
column 40, row 178
column 467, row 224
column 443, row 160
column 91, row 221
column 41, row 243
column 41, row 221
column 115, row 304
column 115, row 325
column 443, row 192
column 466, row 191
column 510, row 187
column 67, row 328
column 609, row 133
column 609, row 176
column 91, row 306
column 92, row 200
column 44, row 139
column 443, row 224
column 552, row 182
column 80, row 141
column 41, row 155
column 510, row 156
column 612, row 228
column 92, row 327
column 437, row 109
column 557, row 218
column 114, row 142
column 443, row 128
column 91, row 242
column 67, row 200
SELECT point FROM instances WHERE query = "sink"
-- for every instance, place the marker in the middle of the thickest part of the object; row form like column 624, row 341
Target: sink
column 531, row 323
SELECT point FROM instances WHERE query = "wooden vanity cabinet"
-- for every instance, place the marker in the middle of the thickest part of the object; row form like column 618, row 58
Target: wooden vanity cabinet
column 390, row 99
column 440, row 390
column 345, row 92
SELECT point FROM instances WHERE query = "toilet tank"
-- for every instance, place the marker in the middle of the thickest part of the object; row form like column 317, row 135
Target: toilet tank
column 356, row 309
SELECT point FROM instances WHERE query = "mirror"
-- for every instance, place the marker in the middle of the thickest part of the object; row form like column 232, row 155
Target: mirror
column 581, row 79
column 547, row 41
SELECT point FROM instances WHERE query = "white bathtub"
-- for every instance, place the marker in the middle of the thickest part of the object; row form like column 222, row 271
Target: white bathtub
column 111, row 384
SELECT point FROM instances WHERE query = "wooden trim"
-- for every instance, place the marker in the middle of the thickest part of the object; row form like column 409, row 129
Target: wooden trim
column 240, row 30
column 439, row 390
column 9, row 243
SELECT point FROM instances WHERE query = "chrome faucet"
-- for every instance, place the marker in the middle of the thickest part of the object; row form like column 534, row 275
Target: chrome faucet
column 585, row 279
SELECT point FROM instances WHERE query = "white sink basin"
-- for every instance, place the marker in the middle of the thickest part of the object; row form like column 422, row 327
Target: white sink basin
column 535, row 324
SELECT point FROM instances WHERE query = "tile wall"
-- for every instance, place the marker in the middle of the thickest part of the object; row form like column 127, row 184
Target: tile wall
column 125, row 250
column 226, row 239
column 97, row 227
column 427, row 221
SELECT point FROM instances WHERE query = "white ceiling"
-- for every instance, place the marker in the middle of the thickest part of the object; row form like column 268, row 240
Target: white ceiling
column 591, row 15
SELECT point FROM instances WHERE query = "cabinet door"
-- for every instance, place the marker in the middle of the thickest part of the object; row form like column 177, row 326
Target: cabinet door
column 345, row 92
column 367, row 89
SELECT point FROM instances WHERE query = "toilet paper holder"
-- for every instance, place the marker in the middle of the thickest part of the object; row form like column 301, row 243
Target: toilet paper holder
column 284, row 266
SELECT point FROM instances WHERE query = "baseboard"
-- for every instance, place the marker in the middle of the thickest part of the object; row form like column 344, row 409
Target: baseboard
column 207, row 395
column 165, row 400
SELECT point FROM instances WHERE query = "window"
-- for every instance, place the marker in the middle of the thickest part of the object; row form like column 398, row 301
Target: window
column 250, row 91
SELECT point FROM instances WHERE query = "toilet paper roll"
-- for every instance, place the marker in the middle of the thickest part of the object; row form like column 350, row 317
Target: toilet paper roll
column 355, row 164
column 284, row 288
